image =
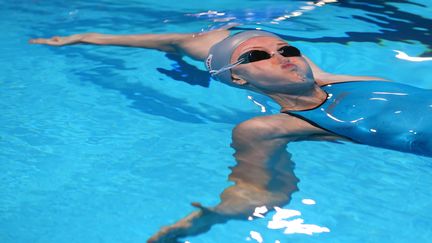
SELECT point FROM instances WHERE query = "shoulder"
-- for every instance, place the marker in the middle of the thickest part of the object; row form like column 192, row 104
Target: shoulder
column 328, row 78
column 276, row 126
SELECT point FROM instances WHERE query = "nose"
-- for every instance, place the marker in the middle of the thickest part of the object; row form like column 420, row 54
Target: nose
column 278, row 57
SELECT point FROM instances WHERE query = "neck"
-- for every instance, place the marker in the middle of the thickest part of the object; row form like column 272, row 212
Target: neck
column 304, row 101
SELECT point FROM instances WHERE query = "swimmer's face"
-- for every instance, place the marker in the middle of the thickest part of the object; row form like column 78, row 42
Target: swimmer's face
column 275, row 74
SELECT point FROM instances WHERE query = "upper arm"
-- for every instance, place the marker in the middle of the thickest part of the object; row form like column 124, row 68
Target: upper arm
column 281, row 128
column 198, row 45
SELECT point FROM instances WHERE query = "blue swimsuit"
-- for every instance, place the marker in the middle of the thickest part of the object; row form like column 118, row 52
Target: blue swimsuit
column 382, row 114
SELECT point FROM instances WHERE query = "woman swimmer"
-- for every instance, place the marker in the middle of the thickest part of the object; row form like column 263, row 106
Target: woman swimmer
column 315, row 106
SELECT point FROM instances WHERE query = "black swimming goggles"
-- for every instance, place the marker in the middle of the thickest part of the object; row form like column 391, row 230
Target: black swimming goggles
column 259, row 55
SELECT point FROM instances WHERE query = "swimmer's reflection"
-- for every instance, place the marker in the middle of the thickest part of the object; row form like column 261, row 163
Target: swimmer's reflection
column 264, row 175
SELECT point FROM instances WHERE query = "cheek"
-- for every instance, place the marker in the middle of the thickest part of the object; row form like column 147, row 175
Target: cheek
column 268, row 73
column 303, row 65
column 249, row 72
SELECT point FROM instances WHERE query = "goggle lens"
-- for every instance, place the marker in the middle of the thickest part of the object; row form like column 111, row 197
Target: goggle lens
column 258, row 55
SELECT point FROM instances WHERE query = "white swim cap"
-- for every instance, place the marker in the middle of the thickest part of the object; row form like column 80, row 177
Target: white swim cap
column 218, row 61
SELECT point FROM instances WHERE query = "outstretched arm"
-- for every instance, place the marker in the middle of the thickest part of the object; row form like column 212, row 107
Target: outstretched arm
column 263, row 176
column 195, row 45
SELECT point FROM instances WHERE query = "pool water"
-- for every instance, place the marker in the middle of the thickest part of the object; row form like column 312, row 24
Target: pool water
column 108, row 144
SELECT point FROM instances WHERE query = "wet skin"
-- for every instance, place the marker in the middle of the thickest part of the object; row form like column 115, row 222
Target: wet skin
column 278, row 74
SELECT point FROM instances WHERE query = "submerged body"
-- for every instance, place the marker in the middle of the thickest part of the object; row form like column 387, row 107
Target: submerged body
column 381, row 114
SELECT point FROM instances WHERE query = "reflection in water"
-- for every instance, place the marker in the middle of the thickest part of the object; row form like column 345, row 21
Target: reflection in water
column 106, row 72
column 287, row 219
column 256, row 236
column 308, row 201
column 259, row 212
column 261, row 106
column 294, row 226
column 402, row 55
column 185, row 72
column 394, row 23
column 309, row 6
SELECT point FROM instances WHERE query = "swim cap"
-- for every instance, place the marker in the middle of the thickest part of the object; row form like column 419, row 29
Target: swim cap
column 220, row 54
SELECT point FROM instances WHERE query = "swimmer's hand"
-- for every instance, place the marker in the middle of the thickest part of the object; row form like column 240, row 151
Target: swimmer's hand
column 195, row 223
column 58, row 40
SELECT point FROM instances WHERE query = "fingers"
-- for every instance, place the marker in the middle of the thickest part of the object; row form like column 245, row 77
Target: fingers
column 200, row 206
column 53, row 41
column 203, row 209
column 163, row 236
column 197, row 205
column 37, row 41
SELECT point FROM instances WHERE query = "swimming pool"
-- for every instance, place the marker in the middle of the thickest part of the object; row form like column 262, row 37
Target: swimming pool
column 108, row 144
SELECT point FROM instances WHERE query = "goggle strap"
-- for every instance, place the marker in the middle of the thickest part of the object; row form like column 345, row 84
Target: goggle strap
column 225, row 68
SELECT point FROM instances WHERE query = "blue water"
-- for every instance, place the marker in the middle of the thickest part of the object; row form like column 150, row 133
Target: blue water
column 108, row 144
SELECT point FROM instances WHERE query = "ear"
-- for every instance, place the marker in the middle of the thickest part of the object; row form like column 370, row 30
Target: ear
column 237, row 80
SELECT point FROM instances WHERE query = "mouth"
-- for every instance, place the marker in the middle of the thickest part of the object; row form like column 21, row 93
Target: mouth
column 288, row 66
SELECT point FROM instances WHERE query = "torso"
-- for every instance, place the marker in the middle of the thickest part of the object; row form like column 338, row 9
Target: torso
column 381, row 114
